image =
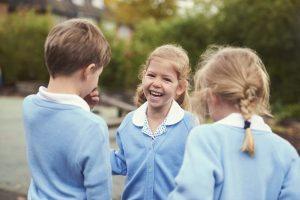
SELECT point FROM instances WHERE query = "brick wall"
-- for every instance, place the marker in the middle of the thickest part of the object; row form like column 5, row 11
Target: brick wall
column 3, row 9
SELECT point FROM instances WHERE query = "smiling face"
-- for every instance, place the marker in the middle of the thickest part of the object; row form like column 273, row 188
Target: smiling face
column 160, row 84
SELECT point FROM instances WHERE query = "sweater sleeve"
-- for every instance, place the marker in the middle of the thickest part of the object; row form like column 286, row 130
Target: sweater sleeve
column 117, row 158
column 200, row 171
column 290, row 187
column 93, row 160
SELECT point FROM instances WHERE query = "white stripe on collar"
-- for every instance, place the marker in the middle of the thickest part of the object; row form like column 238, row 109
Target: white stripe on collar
column 70, row 99
column 237, row 120
column 175, row 114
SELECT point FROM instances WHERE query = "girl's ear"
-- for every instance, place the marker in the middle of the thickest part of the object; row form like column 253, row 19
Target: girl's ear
column 211, row 98
column 88, row 70
column 181, row 88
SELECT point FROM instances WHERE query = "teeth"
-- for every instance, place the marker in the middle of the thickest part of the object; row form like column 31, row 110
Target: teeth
column 155, row 93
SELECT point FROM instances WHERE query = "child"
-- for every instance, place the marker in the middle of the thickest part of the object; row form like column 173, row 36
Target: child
column 67, row 145
column 238, row 156
column 152, row 138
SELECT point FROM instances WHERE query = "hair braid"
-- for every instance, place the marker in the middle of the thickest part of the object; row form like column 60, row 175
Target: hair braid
column 139, row 97
column 246, row 107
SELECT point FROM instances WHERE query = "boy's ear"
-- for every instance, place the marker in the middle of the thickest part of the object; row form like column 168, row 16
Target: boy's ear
column 181, row 87
column 88, row 70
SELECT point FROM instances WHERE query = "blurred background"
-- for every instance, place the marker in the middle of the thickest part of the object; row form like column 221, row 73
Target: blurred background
column 134, row 28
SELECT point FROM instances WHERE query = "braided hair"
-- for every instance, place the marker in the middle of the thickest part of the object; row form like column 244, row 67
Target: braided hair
column 238, row 77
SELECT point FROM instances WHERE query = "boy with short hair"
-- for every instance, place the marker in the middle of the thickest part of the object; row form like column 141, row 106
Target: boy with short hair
column 67, row 145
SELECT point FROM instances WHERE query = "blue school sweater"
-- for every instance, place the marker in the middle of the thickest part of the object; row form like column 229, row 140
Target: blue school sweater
column 68, row 151
column 150, row 164
column 214, row 167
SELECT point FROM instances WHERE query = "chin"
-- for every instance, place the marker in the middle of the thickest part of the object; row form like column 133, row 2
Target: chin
column 154, row 104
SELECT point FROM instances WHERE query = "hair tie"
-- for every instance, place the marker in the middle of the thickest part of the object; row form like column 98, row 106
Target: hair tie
column 247, row 124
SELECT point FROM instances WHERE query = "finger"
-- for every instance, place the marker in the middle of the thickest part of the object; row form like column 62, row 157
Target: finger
column 95, row 92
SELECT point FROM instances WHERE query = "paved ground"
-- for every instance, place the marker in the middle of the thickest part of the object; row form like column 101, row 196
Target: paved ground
column 14, row 173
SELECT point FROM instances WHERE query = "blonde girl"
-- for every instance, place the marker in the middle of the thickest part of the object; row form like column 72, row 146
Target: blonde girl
column 151, row 139
column 238, row 156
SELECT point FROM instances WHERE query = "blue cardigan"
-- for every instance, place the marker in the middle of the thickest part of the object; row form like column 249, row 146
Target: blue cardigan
column 150, row 164
column 68, row 151
column 215, row 168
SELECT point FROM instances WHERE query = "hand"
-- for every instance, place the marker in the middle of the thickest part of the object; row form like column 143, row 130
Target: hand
column 92, row 98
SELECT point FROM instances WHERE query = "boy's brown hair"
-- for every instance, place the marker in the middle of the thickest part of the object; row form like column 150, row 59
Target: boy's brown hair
column 73, row 45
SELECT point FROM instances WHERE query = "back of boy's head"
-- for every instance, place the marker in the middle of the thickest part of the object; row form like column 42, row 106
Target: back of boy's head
column 238, row 77
column 180, row 60
column 73, row 45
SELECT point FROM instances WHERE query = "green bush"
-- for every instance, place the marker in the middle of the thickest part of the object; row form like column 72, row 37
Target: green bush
column 269, row 27
column 272, row 29
column 117, row 72
column 287, row 111
column 127, row 57
column 22, row 37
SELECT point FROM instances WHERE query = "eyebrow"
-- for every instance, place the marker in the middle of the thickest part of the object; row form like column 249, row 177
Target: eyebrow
column 167, row 76
column 163, row 75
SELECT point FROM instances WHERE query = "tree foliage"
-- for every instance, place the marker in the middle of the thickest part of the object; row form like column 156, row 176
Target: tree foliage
column 270, row 27
column 22, row 37
column 131, row 12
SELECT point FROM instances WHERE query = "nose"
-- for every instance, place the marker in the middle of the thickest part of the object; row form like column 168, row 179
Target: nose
column 157, row 82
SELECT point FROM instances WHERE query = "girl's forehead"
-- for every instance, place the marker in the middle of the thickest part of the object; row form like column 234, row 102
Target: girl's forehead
column 161, row 63
column 162, row 68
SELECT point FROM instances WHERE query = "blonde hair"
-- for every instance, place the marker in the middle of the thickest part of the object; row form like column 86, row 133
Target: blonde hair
column 177, row 55
column 238, row 77
column 74, row 44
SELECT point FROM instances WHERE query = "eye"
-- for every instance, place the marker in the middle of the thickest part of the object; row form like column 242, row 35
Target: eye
column 167, row 79
column 150, row 75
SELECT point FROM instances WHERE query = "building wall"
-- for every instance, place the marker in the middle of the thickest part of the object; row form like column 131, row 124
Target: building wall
column 3, row 9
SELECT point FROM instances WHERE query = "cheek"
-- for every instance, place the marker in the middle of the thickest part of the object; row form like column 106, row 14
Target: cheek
column 97, row 79
column 145, row 83
column 144, row 86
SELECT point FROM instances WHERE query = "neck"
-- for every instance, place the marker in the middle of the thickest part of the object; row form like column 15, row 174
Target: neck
column 63, row 85
column 223, row 111
column 158, row 114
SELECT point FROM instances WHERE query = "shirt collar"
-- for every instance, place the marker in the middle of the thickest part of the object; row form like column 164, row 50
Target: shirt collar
column 237, row 120
column 175, row 114
column 159, row 131
column 70, row 99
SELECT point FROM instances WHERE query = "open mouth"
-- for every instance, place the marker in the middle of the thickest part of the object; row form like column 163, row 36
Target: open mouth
column 155, row 94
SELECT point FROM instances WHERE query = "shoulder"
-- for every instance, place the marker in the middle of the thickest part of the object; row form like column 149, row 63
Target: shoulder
column 127, row 120
column 283, row 147
column 30, row 105
column 207, row 132
column 190, row 119
column 93, row 119
column 28, row 99
column 209, row 128
column 205, row 139
column 98, row 120
column 88, row 124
